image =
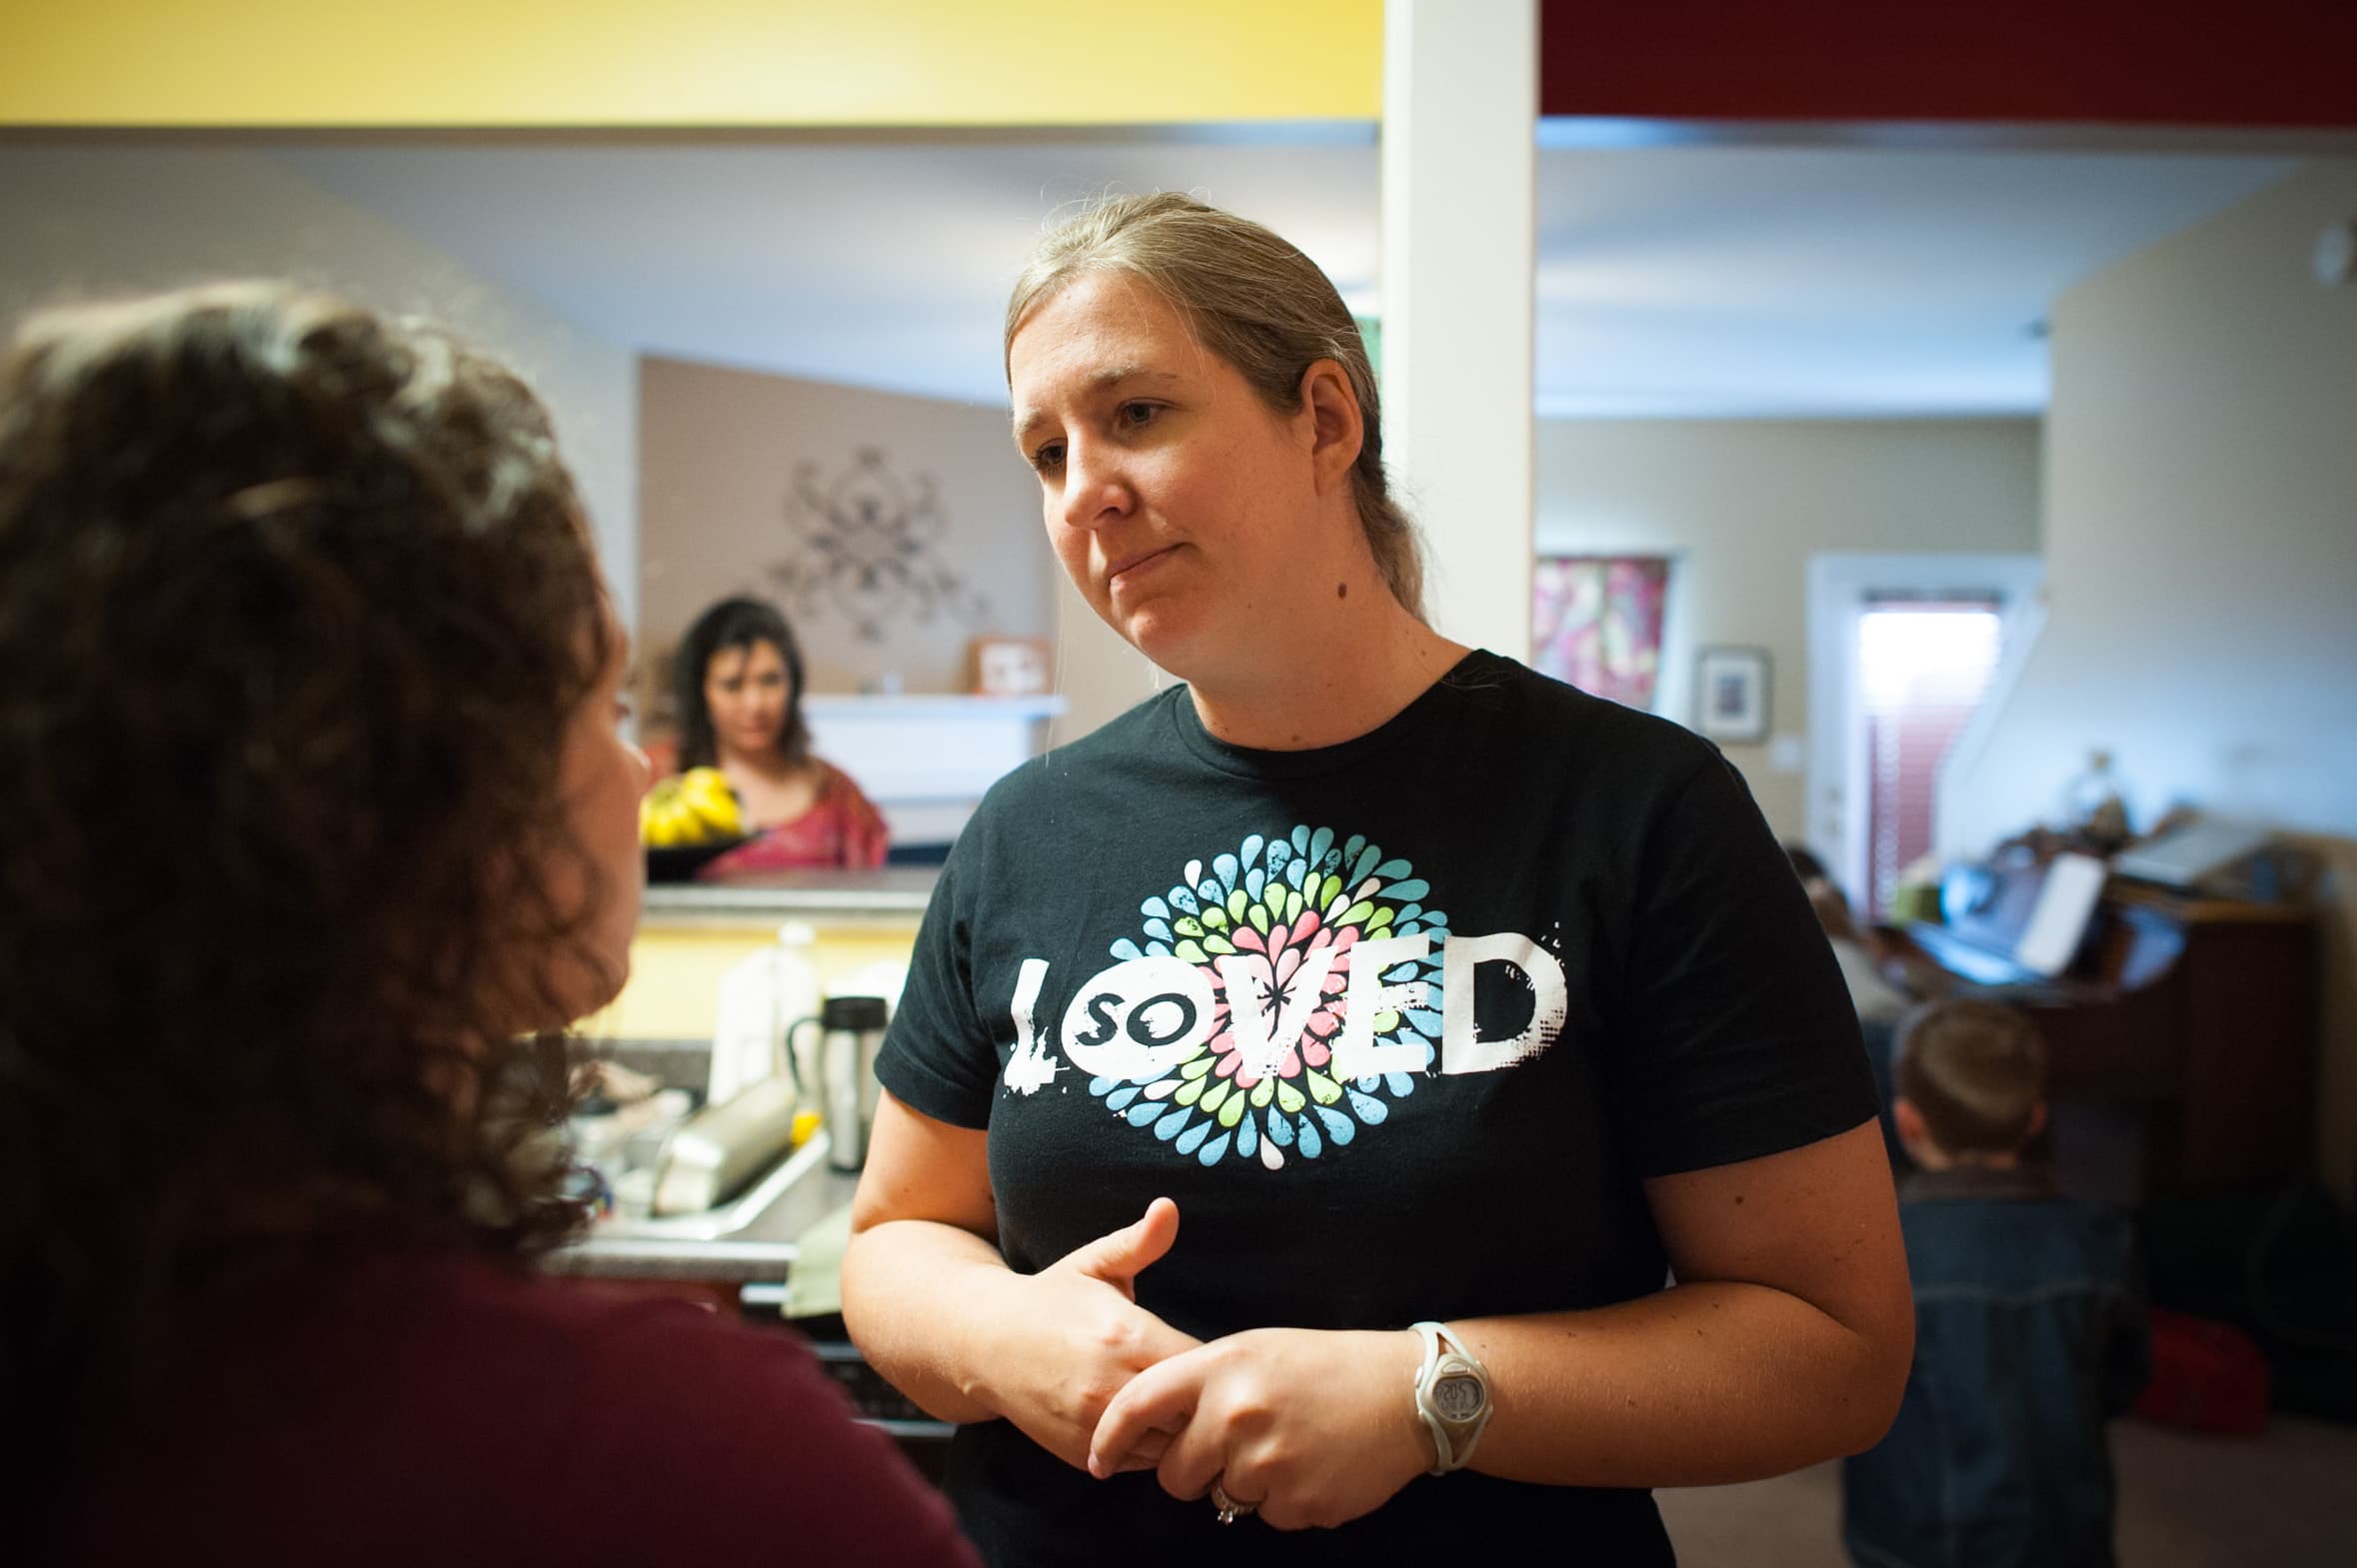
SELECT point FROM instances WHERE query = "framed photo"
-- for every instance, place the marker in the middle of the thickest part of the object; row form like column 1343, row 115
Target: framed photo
column 1731, row 695
column 1010, row 665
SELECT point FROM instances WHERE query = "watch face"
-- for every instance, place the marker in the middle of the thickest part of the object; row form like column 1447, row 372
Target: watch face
column 1459, row 1396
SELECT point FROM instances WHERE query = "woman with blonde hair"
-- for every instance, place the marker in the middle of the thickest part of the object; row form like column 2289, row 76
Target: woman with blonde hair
column 1306, row 1082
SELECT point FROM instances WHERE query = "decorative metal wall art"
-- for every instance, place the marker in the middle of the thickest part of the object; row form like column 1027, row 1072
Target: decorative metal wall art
column 867, row 547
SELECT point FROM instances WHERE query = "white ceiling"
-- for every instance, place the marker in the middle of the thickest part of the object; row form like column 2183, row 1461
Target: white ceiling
column 1740, row 281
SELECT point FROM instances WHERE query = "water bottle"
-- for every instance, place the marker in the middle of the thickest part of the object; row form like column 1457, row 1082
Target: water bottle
column 760, row 995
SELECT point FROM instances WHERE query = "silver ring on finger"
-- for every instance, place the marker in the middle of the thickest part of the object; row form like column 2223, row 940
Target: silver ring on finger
column 1229, row 1509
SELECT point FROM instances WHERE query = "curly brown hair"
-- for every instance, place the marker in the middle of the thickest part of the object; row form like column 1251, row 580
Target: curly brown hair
column 295, row 604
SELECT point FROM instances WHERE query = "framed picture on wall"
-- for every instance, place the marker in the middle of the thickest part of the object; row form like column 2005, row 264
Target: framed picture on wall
column 1010, row 665
column 1731, row 695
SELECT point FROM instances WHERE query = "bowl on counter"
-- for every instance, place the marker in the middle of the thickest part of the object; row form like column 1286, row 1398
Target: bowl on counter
column 678, row 862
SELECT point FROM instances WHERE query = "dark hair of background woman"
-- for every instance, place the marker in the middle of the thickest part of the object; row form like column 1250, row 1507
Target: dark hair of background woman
column 734, row 623
column 295, row 604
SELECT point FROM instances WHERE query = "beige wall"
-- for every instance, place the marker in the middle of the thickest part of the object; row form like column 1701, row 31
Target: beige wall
column 1743, row 504
column 2201, row 533
column 722, row 453
column 79, row 220
column 1098, row 676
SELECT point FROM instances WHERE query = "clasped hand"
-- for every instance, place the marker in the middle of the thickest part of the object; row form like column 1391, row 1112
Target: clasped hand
column 1078, row 1337
column 1314, row 1427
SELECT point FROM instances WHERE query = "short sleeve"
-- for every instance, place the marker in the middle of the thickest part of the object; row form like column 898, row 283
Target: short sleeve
column 938, row 1056
column 1733, row 1035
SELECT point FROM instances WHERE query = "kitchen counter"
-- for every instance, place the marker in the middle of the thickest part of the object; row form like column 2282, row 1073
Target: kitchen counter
column 754, row 1236
column 661, row 1024
column 754, row 1239
column 890, row 896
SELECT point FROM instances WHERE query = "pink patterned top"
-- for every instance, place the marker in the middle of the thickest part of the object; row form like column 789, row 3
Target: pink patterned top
column 841, row 829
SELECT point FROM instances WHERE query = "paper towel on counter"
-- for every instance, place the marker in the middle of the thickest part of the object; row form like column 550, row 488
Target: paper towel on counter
column 814, row 1285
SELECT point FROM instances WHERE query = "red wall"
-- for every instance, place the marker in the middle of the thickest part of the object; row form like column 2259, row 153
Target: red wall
column 2274, row 63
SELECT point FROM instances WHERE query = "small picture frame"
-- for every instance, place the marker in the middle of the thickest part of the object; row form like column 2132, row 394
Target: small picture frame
column 1010, row 665
column 1731, row 695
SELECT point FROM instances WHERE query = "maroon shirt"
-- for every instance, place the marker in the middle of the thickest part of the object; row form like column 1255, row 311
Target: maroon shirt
column 431, row 1410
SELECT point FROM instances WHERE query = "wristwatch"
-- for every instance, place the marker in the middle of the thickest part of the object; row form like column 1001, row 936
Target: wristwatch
column 1452, row 1396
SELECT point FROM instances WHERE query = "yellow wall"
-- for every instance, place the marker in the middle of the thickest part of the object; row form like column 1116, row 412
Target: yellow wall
column 675, row 972
column 692, row 63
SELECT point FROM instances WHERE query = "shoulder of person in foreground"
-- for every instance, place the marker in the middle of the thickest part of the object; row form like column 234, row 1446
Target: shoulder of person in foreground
column 402, row 1404
column 729, row 1438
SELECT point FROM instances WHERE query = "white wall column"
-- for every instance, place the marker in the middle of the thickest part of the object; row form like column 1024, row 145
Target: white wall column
column 1461, row 107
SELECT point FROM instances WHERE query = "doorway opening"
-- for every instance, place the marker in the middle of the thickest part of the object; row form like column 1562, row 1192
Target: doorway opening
column 1922, row 672
column 1910, row 658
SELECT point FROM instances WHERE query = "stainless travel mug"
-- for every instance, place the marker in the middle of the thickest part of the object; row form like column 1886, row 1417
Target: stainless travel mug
column 851, row 1028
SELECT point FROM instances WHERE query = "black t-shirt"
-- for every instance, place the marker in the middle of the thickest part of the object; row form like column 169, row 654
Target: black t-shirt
column 1400, row 1024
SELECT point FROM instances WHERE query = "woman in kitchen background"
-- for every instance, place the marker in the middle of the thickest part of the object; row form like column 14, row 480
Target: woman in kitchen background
column 322, row 829
column 739, row 685
column 1308, row 1081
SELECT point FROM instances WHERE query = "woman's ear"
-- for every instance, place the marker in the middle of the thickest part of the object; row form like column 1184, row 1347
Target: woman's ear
column 1336, row 427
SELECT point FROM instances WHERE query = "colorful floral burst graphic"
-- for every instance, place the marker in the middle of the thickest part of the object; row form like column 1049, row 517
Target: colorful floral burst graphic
column 1284, row 913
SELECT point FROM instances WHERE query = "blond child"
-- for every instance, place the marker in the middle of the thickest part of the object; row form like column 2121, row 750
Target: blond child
column 2030, row 1333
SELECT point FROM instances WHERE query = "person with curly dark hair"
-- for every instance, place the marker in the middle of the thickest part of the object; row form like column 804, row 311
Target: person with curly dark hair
column 738, row 679
column 321, row 829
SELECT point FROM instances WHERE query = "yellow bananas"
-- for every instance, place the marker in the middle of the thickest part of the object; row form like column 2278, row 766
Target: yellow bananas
column 696, row 806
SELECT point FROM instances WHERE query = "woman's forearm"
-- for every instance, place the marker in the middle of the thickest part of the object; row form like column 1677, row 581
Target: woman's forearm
column 915, row 1297
column 937, row 1313
column 1700, row 1385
